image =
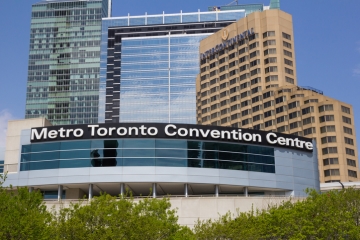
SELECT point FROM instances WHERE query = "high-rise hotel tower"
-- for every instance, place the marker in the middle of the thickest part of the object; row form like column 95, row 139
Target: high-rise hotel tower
column 64, row 60
column 248, row 80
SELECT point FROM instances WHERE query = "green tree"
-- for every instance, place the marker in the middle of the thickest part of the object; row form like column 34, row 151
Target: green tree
column 106, row 217
column 23, row 215
column 331, row 215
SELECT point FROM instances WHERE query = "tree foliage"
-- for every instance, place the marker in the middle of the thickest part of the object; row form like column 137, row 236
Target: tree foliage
column 331, row 215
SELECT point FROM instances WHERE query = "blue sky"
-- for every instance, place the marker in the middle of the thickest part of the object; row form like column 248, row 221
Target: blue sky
column 327, row 45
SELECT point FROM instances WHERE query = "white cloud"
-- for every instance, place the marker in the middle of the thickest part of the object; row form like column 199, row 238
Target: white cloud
column 5, row 116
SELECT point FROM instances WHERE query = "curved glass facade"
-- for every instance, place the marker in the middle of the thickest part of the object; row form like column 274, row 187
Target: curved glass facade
column 147, row 152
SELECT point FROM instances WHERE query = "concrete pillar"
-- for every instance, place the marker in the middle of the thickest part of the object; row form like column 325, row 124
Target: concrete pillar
column 90, row 191
column 216, row 190
column 122, row 189
column 154, row 190
column 246, row 194
column 60, row 191
column 31, row 189
column 186, row 190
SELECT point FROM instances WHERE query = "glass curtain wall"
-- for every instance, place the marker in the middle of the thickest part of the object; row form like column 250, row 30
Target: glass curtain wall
column 158, row 78
column 64, row 61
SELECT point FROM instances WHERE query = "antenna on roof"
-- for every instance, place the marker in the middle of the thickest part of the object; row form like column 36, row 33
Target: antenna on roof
column 235, row 1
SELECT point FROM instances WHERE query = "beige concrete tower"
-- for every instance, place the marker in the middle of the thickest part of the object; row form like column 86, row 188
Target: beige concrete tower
column 248, row 80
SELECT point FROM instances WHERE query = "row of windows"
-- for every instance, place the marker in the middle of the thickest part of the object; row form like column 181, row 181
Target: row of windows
column 330, row 150
column 334, row 161
column 336, row 172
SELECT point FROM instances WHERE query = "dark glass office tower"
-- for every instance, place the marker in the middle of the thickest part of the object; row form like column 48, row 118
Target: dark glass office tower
column 64, row 60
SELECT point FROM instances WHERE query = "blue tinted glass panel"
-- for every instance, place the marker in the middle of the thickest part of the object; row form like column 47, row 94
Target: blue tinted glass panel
column 154, row 20
column 181, row 144
column 208, row 17
column 190, row 18
column 172, row 19
column 44, row 156
column 75, row 154
column 137, row 21
column 25, row 157
column 75, row 163
column 261, row 150
column 233, row 165
column 44, row 165
column 138, row 153
column 171, row 162
column 138, row 161
column 98, row 144
column 41, row 147
column 210, row 164
column 171, row 153
column 24, row 166
column 139, row 143
column 75, row 145
column 25, row 148
column 261, row 159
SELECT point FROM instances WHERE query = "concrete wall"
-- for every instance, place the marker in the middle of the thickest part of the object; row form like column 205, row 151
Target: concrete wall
column 191, row 209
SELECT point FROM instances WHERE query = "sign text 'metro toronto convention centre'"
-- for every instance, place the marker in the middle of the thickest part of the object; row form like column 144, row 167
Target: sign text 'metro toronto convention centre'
column 161, row 130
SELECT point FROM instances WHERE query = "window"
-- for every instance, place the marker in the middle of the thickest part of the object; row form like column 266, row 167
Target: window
column 225, row 102
column 204, row 94
column 242, row 59
column 234, row 116
column 244, row 85
column 297, row 96
column 328, row 139
column 233, row 81
column 205, row 110
column 255, row 71
column 245, row 94
column 330, row 161
column 352, row 173
column 271, row 69
column 268, row 94
column 223, row 68
column 270, row 60
column 346, row 120
column 293, row 105
column 223, row 85
column 282, row 129
column 205, row 85
column 245, row 112
column 231, row 56
column 345, row 109
column 214, row 89
column 294, row 114
column 213, row 65
column 308, row 120
column 287, row 53
column 255, row 90
column 289, row 71
column 245, row 103
column 328, row 107
column 232, row 64
column 286, row 36
column 244, row 76
column 348, row 130
column 331, row 172
column 257, row 127
column 214, row 98
column 310, row 101
column 203, row 102
column 351, row 162
column 254, row 54
column 232, row 73
column 280, row 119
column 330, row 128
column 271, row 78
column 234, row 107
column 243, row 50
column 350, row 151
column 205, row 119
column 309, row 131
column 214, row 106
column 349, row 141
column 307, row 110
column 212, row 73
column 253, row 45
column 224, row 120
column 269, row 42
column 295, row 125
column 280, row 99
column 268, row 104
column 255, row 99
column 280, row 109
column 255, row 81
column 327, row 118
column 213, row 81
column 221, row 61
column 234, row 89
column 253, row 36
column 288, row 62
column 329, row 150
column 286, row 44
column 244, row 67
column 256, row 108
column 257, row 118
column 268, row 114
column 268, row 123
column 254, row 63
column 245, row 122
column 270, row 51
column 224, row 94
column 268, row 34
